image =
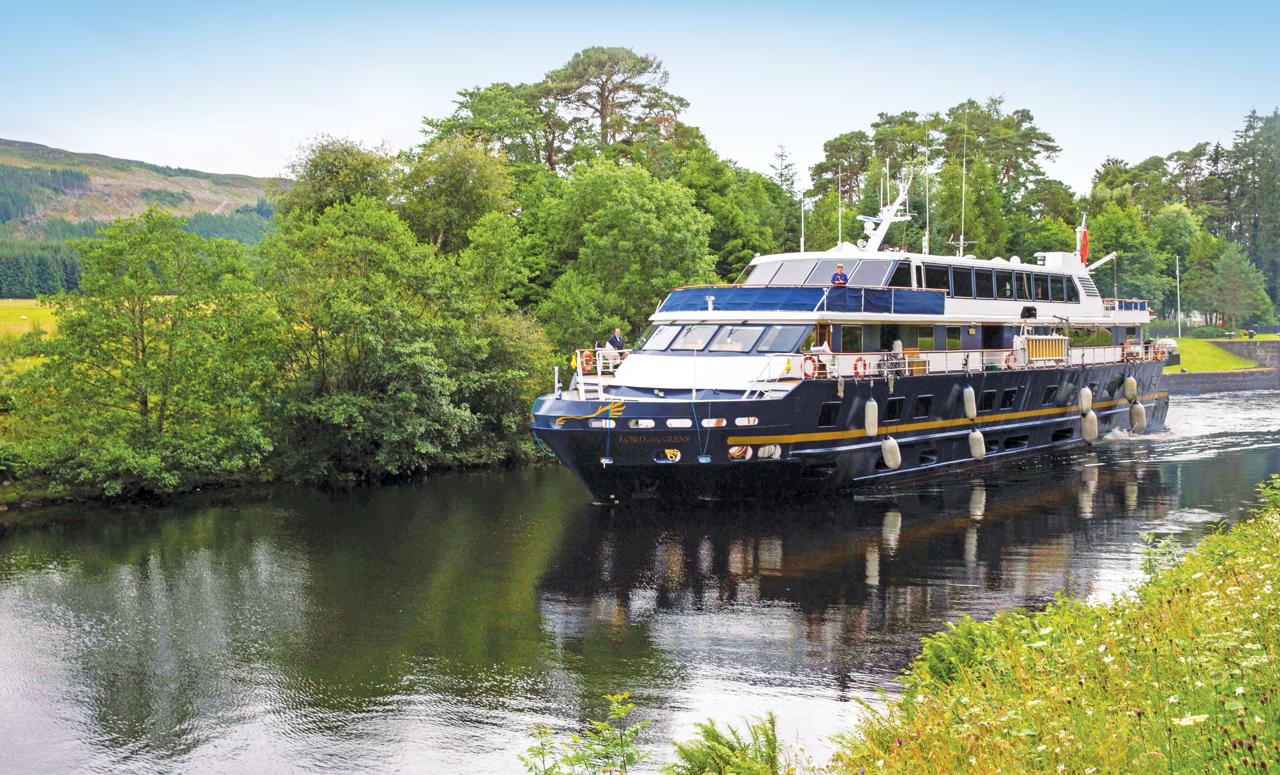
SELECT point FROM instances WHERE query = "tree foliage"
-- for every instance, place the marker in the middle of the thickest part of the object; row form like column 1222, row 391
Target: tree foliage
column 156, row 377
column 333, row 171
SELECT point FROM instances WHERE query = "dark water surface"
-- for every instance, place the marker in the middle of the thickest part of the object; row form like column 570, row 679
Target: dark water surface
column 424, row 628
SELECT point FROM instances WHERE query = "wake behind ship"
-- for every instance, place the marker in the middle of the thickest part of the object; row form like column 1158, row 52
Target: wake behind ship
column 787, row 382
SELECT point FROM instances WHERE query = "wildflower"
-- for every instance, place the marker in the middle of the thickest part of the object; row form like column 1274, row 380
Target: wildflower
column 1239, row 690
column 1173, row 698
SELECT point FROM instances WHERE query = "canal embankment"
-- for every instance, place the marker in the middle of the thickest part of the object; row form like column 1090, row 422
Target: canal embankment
column 1182, row 675
column 1263, row 354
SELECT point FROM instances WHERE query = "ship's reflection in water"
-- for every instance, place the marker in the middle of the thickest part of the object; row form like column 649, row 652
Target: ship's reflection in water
column 424, row 628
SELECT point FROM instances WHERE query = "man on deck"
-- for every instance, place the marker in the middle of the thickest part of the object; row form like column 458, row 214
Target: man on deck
column 615, row 341
column 839, row 278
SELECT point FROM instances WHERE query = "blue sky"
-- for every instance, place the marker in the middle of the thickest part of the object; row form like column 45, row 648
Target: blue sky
column 237, row 87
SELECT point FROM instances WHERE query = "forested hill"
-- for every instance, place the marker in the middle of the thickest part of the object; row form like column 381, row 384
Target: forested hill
column 39, row 183
column 48, row 196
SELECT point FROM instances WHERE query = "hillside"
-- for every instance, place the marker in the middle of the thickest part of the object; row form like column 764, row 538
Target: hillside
column 39, row 184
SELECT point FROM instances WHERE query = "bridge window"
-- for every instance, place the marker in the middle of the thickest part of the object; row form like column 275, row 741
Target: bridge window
column 736, row 339
column 1041, row 283
column 782, row 339
column 962, row 282
column 694, row 337
column 984, row 285
column 762, row 274
column 1004, row 284
column 937, row 277
column 1057, row 288
column 793, row 272
column 660, row 338
column 1073, row 293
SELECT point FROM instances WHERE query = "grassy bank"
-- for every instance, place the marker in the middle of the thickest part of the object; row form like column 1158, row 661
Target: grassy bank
column 1183, row 676
column 1204, row 355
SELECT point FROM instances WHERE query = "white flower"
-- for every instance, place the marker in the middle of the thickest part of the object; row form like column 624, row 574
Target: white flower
column 1239, row 690
column 1173, row 698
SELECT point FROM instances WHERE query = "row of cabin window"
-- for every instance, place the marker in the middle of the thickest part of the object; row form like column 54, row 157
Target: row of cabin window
column 915, row 337
column 963, row 282
column 923, row 407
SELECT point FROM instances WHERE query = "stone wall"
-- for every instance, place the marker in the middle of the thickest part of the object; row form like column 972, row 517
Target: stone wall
column 1196, row 383
column 1265, row 352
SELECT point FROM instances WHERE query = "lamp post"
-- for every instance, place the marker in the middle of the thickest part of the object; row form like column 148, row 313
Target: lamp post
column 1177, row 273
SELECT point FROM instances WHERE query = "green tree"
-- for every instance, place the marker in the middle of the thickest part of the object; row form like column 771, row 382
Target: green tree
column 624, row 239
column 845, row 160
column 160, row 368
column 1141, row 270
column 1237, row 290
column 447, row 186
column 619, row 88
column 979, row 204
column 367, row 394
column 524, row 122
column 331, row 171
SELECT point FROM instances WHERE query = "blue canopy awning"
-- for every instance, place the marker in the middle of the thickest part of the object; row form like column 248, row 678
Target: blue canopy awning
column 794, row 298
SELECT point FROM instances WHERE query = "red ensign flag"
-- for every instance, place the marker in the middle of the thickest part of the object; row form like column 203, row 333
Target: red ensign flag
column 1084, row 246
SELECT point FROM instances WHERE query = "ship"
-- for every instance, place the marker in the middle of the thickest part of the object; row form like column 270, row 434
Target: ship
column 828, row 371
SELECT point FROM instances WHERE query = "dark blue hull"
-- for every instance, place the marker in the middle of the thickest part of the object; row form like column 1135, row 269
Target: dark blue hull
column 813, row 439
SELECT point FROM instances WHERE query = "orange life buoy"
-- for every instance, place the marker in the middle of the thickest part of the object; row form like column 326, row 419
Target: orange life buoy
column 588, row 360
column 859, row 366
column 1009, row 361
column 809, row 367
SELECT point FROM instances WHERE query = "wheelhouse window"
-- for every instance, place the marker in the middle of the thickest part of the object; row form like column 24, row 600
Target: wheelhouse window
column 1041, row 287
column 1023, row 286
column 762, row 274
column 792, row 272
column 660, row 338
column 1073, row 293
column 962, row 282
column 735, row 339
column 1057, row 288
column 984, row 285
column 901, row 277
column 937, row 277
column 782, row 339
column 1004, row 284
column 694, row 337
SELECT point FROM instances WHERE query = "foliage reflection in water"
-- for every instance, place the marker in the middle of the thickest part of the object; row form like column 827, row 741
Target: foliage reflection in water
column 429, row 626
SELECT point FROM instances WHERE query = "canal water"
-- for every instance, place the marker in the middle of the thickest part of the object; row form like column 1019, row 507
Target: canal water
column 425, row 628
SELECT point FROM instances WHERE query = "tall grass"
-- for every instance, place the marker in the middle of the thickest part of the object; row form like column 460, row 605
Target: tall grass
column 1182, row 676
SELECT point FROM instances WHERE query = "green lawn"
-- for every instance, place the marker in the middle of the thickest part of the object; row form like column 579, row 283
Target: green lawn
column 18, row 316
column 1204, row 355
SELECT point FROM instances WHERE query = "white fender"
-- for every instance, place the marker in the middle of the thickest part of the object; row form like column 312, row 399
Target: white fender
column 1086, row 400
column 1089, row 427
column 970, row 402
column 871, row 417
column 1137, row 417
column 892, row 455
column 1130, row 389
column 977, row 445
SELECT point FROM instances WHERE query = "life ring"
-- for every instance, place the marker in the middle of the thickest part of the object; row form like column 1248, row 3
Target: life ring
column 809, row 367
column 1009, row 361
column 859, row 367
column 587, row 360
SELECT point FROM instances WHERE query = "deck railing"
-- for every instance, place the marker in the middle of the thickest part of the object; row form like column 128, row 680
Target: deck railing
column 593, row 369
